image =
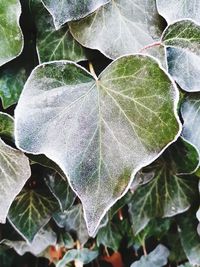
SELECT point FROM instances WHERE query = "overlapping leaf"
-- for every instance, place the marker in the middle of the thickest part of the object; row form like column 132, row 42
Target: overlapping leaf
column 180, row 9
column 43, row 239
column 67, row 10
column 100, row 132
column 182, row 40
column 30, row 211
column 119, row 28
column 168, row 192
column 11, row 41
column 53, row 44
column 157, row 258
column 6, row 126
column 14, row 172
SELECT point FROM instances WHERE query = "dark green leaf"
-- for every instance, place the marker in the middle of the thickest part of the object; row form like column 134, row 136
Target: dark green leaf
column 32, row 210
column 6, row 126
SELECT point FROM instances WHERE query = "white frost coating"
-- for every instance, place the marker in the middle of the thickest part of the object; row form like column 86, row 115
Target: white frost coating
column 173, row 10
column 118, row 29
column 63, row 11
column 14, row 172
column 10, row 30
column 182, row 41
column 42, row 240
column 81, row 126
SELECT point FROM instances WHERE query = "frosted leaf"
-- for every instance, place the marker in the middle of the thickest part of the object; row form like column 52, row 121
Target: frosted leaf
column 67, row 10
column 14, row 172
column 11, row 40
column 100, row 132
column 117, row 29
column 43, row 239
column 173, row 10
column 182, row 40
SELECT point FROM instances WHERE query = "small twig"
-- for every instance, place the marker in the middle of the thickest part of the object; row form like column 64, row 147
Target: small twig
column 150, row 46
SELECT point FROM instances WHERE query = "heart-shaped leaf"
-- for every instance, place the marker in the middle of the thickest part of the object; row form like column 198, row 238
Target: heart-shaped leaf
column 14, row 172
column 180, row 9
column 67, row 10
column 100, row 132
column 53, row 44
column 182, row 40
column 157, row 258
column 11, row 41
column 169, row 192
column 118, row 29
column 30, row 211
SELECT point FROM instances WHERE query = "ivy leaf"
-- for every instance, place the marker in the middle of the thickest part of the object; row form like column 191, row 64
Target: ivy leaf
column 43, row 239
column 100, row 132
column 157, row 258
column 168, row 193
column 11, row 41
column 73, row 220
column 83, row 255
column 6, row 126
column 182, row 40
column 30, row 211
column 182, row 9
column 190, row 111
column 118, row 29
column 14, row 172
column 109, row 236
column 189, row 237
column 54, row 44
column 61, row 190
column 67, row 10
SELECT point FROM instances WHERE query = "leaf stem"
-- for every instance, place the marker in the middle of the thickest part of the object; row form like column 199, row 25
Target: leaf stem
column 144, row 249
column 91, row 68
column 150, row 46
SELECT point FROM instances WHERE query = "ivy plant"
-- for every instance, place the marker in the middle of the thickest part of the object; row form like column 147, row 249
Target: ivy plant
column 99, row 133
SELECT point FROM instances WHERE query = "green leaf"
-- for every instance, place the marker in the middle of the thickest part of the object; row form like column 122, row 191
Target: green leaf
column 54, row 44
column 6, row 126
column 182, row 40
column 67, row 10
column 11, row 40
column 118, row 29
column 84, row 256
column 30, row 211
column 109, row 236
column 190, row 111
column 157, row 258
column 73, row 220
column 182, row 9
column 42, row 240
column 60, row 189
column 100, row 132
column 168, row 192
column 14, row 172
column 189, row 238
column 65, row 240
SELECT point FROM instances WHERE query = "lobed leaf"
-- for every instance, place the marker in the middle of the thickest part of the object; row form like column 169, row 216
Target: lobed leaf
column 100, row 132
column 30, row 211
column 67, row 10
column 118, row 29
column 11, row 40
column 14, row 172
column 168, row 193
